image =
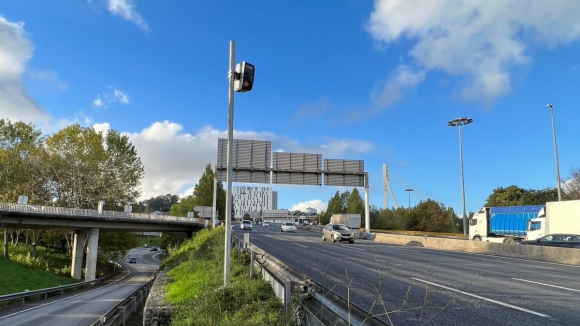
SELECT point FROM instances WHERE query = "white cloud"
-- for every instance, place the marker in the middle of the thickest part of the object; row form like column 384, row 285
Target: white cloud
column 126, row 10
column 318, row 204
column 107, row 99
column 174, row 160
column 120, row 96
column 479, row 40
column 48, row 76
column 15, row 51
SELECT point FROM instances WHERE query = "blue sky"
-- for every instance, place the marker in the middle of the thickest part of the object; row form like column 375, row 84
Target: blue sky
column 374, row 81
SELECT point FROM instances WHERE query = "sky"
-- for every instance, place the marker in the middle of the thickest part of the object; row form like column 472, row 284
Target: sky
column 376, row 81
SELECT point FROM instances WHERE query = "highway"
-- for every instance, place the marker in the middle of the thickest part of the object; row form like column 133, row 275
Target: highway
column 85, row 307
column 415, row 286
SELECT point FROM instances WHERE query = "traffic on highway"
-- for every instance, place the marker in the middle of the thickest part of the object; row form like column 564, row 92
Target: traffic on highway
column 407, row 285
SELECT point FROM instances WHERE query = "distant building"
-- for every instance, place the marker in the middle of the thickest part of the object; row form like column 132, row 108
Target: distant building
column 253, row 200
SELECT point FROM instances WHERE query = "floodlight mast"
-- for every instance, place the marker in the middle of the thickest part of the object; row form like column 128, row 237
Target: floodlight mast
column 458, row 122
column 551, row 107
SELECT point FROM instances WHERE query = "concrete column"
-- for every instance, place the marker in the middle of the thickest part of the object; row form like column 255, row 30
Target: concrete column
column 76, row 270
column 92, row 248
column 6, row 244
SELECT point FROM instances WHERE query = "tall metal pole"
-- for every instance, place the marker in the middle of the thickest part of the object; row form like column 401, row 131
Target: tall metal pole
column 409, row 191
column 550, row 106
column 367, row 205
column 228, row 217
column 462, row 181
column 458, row 123
column 213, row 211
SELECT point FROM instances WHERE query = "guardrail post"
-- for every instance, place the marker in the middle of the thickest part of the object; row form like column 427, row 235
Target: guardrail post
column 287, row 295
column 123, row 307
column 252, row 257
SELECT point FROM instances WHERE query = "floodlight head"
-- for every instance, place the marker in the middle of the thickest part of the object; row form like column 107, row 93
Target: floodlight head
column 549, row 106
column 459, row 122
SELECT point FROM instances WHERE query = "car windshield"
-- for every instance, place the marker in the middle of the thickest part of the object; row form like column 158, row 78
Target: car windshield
column 289, row 224
column 246, row 222
column 340, row 228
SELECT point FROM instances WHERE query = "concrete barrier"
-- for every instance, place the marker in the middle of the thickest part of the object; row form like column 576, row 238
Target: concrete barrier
column 548, row 254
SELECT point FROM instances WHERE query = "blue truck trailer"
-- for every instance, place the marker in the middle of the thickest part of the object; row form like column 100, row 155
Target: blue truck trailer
column 508, row 224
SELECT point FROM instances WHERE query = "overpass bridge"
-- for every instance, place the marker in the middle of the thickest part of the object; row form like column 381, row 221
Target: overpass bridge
column 87, row 223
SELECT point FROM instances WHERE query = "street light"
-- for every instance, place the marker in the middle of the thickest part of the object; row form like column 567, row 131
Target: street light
column 555, row 152
column 458, row 122
column 409, row 191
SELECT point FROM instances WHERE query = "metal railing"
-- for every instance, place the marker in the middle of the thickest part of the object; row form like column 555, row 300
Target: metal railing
column 64, row 211
column 121, row 312
column 319, row 305
column 27, row 294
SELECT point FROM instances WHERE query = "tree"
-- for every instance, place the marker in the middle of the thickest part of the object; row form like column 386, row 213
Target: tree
column 433, row 217
column 335, row 206
column 572, row 186
column 355, row 204
column 87, row 167
column 202, row 196
column 22, row 163
column 516, row 196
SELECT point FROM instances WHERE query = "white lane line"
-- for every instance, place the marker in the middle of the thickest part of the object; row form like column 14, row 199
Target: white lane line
column 72, row 296
column 485, row 299
column 299, row 245
column 554, row 286
column 351, row 247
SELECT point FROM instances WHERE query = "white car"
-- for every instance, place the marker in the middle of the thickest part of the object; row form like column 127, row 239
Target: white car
column 245, row 225
column 266, row 223
column 288, row 227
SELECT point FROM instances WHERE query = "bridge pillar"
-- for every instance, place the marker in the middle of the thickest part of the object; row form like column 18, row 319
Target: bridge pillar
column 92, row 249
column 6, row 243
column 76, row 270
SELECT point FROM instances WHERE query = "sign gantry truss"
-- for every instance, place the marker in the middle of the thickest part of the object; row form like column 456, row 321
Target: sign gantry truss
column 251, row 163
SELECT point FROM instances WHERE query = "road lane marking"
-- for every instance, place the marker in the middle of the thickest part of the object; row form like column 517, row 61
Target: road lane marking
column 484, row 298
column 554, row 286
column 351, row 247
column 299, row 245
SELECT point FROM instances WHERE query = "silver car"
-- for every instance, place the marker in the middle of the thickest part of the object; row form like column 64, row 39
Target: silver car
column 245, row 225
column 338, row 232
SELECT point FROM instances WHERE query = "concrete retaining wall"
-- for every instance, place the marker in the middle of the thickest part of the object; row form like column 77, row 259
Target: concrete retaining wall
column 157, row 311
column 549, row 254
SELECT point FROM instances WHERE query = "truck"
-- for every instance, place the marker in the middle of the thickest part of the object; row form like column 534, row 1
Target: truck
column 351, row 220
column 559, row 217
column 508, row 224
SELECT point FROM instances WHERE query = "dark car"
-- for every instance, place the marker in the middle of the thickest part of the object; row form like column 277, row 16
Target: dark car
column 132, row 260
column 153, row 249
column 556, row 240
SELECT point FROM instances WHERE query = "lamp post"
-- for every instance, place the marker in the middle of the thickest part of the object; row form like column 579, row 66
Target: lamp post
column 409, row 191
column 458, row 122
column 556, row 153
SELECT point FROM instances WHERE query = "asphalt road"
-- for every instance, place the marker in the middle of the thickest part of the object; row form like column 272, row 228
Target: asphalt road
column 86, row 307
column 416, row 286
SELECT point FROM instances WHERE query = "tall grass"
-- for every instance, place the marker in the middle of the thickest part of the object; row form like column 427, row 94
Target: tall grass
column 197, row 291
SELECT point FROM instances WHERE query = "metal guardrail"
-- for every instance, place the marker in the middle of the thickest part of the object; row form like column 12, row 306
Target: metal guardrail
column 61, row 289
column 64, row 211
column 321, row 307
column 121, row 312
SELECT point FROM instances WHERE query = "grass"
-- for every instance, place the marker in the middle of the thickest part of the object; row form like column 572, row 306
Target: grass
column 153, row 241
column 18, row 278
column 197, row 289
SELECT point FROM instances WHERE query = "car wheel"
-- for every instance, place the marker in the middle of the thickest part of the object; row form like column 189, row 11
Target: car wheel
column 351, row 241
column 323, row 238
column 333, row 239
column 509, row 241
column 476, row 238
